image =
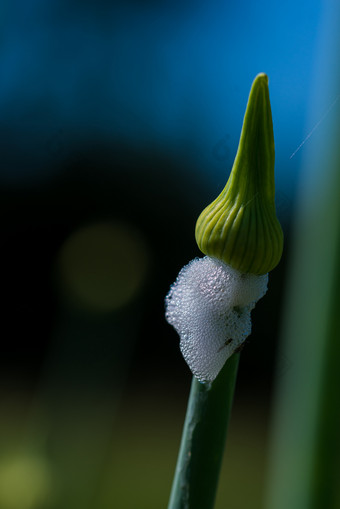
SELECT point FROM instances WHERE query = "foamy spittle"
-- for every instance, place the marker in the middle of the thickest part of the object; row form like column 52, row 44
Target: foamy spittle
column 209, row 305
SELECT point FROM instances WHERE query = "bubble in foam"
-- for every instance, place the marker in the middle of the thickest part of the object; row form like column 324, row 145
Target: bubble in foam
column 209, row 305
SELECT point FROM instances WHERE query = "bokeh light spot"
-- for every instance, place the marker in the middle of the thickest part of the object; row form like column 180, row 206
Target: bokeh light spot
column 25, row 482
column 102, row 266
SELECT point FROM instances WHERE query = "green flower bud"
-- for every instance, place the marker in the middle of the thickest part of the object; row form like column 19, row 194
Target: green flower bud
column 240, row 226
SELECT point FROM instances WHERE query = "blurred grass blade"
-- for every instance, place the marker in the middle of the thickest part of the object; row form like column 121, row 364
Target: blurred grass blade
column 305, row 463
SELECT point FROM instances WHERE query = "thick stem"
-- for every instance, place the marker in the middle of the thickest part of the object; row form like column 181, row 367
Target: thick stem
column 203, row 439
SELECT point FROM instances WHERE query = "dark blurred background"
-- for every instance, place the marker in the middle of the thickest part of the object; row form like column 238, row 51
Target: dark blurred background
column 119, row 124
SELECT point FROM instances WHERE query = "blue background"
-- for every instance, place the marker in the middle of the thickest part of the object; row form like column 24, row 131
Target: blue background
column 164, row 75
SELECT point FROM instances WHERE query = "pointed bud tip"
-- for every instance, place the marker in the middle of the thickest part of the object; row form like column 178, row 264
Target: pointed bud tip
column 259, row 90
column 240, row 227
column 261, row 77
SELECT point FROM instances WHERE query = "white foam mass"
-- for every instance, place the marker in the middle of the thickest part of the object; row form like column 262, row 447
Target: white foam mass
column 209, row 305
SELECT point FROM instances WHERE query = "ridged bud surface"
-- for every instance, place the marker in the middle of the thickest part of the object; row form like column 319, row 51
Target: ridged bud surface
column 240, row 226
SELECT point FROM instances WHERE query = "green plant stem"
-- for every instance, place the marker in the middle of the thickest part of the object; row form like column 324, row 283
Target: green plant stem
column 203, row 439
